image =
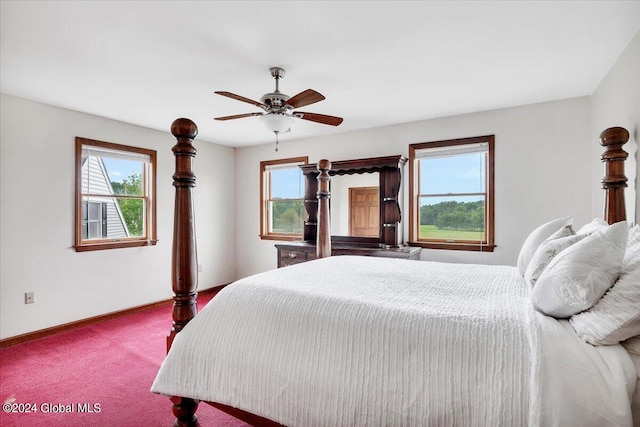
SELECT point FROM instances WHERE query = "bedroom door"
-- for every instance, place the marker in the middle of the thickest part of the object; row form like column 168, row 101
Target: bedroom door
column 364, row 208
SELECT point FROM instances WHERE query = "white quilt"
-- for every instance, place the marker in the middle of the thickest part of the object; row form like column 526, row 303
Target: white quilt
column 359, row 341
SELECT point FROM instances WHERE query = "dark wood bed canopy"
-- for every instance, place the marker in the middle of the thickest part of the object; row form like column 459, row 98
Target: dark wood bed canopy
column 184, row 273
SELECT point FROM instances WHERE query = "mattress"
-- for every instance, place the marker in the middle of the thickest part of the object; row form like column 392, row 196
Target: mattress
column 362, row 341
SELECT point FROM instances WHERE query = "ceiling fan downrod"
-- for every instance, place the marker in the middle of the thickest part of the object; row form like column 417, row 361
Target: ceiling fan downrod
column 277, row 73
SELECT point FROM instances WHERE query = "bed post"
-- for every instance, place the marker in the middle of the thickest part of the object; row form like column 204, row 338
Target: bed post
column 184, row 263
column 614, row 181
column 323, row 240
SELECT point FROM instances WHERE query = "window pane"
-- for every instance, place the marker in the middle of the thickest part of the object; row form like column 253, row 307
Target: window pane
column 124, row 217
column 93, row 230
column 132, row 211
column 287, row 183
column 286, row 216
column 452, row 218
column 125, row 176
column 94, row 179
column 94, row 211
column 456, row 174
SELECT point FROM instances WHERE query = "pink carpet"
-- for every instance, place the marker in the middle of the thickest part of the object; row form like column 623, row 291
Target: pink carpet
column 101, row 373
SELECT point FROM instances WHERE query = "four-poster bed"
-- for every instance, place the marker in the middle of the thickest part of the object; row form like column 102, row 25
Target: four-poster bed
column 292, row 365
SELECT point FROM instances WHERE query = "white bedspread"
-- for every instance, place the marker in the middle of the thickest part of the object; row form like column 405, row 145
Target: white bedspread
column 359, row 341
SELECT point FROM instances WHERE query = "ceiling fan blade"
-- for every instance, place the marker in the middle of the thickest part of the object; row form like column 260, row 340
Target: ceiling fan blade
column 241, row 98
column 306, row 97
column 319, row 118
column 237, row 116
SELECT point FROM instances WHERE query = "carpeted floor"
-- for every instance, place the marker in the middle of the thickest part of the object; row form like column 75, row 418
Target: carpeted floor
column 98, row 375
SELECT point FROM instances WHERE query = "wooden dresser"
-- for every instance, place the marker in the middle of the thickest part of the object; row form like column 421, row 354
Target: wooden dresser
column 295, row 253
column 385, row 242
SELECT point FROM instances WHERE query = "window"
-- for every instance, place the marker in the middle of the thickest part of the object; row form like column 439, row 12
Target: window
column 282, row 188
column 451, row 187
column 94, row 220
column 115, row 196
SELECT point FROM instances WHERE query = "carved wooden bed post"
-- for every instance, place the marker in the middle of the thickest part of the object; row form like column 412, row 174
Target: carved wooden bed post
column 184, row 264
column 614, row 181
column 323, row 240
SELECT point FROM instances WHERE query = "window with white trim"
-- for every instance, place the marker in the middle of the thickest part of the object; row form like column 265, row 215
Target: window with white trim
column 451, row 186
column 115, row 195
column 282, row 187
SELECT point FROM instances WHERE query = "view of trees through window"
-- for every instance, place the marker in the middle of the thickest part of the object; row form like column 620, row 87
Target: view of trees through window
column 287, row 216
column 457, row 220
column 132, row 209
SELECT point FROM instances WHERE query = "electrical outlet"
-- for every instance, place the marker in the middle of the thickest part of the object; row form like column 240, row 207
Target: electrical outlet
column 199, row 268
column 29, row 297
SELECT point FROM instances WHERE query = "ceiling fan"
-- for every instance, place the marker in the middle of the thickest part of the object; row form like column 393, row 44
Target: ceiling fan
column 278, row 114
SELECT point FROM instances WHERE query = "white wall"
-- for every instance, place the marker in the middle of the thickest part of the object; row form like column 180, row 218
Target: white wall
column 36, row 221
column 542, row 171
column 616, row 102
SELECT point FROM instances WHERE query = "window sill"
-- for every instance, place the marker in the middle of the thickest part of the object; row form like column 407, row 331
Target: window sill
column 283, row 237
column 114, row 245
column 454, row 246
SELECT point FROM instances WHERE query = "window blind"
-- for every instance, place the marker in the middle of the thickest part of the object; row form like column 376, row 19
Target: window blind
column 438, row 152
column 269, row 168
column 114, row 154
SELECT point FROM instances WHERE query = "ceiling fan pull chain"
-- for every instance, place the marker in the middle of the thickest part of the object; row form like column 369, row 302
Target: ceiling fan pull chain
column 276, row 132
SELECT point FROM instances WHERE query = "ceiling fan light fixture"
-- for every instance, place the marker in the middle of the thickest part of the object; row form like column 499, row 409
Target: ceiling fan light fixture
column 276, row 122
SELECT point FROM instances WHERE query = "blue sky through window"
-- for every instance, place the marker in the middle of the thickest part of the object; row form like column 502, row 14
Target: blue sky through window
column 455, row 174
column 119, row 169
column 287, row 183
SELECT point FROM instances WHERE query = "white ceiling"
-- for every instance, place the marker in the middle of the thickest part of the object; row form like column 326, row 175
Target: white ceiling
column 376, row 62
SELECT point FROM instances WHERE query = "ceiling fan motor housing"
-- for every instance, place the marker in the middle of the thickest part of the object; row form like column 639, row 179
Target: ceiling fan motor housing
column 275, row 100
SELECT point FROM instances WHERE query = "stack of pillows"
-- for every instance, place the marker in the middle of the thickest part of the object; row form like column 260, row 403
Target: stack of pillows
column 591, row 277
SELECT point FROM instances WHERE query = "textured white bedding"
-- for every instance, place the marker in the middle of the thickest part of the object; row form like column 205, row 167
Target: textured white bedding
column 359, row 341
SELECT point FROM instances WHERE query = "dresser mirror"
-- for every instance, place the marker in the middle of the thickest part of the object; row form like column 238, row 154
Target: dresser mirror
column 379, row 225
column 355, row 205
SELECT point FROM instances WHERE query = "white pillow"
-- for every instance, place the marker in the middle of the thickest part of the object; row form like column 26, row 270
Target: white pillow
column 596, row 225
column 616, row 317
column 559, row 241
column 578, row 276
column 633, row 245
column 536, row 237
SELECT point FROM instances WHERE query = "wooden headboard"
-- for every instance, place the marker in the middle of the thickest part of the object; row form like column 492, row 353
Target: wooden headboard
column 184, row 277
